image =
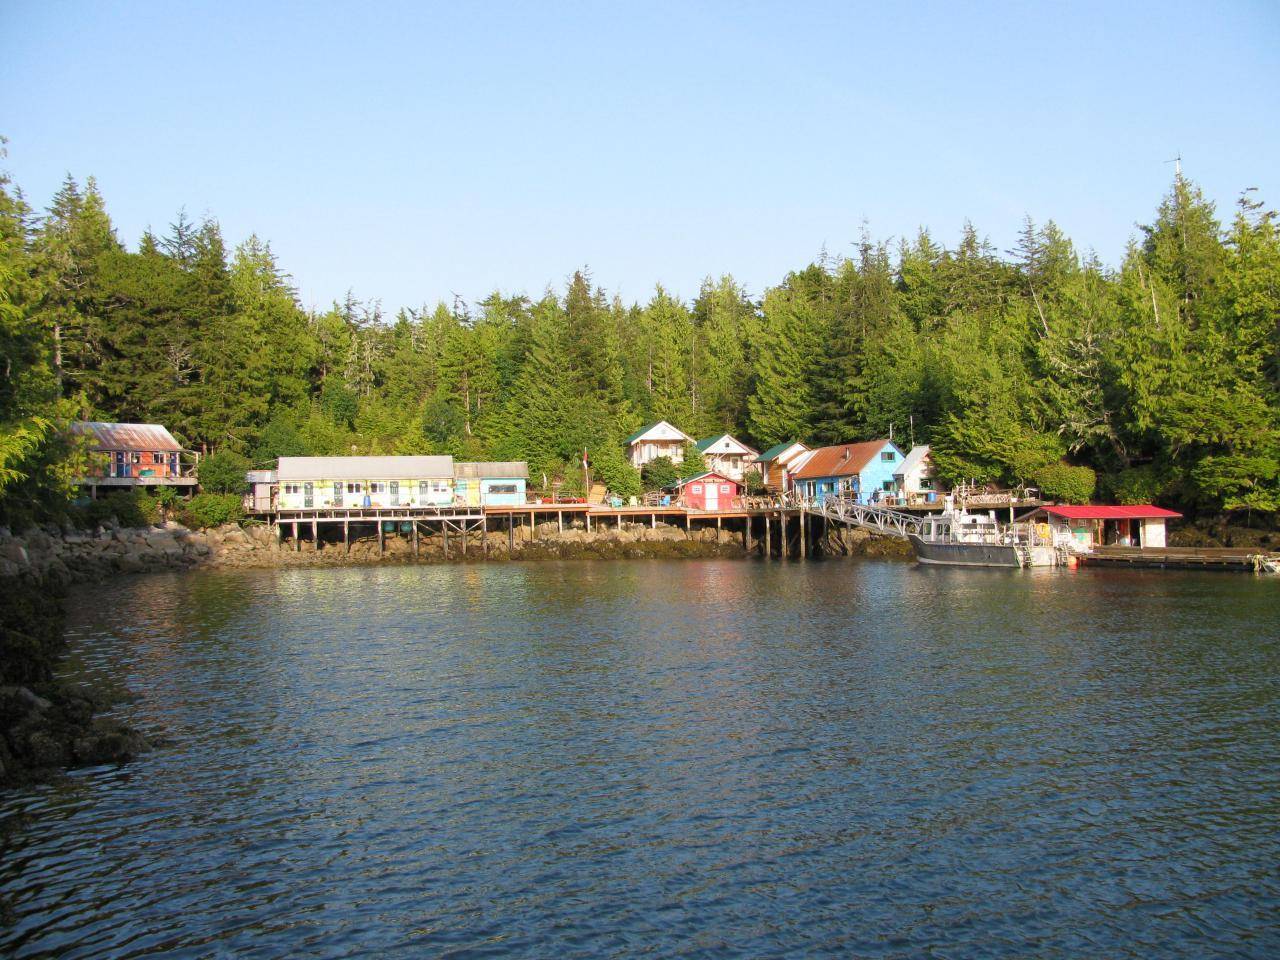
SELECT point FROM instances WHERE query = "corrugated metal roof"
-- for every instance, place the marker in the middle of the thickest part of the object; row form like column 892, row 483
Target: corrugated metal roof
column 261, row 476
column 1139, row 511
column 127, row 436
column 499, row 470
column 365, row 468
column 844, row 460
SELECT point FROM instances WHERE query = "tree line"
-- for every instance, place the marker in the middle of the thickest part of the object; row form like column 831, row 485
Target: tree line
column 1161, row 375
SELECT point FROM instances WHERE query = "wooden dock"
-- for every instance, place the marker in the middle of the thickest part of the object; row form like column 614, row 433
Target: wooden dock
column 1180, row 558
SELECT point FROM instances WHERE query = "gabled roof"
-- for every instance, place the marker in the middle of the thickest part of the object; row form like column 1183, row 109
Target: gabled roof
column 777, row 450
column 365, row 468
column 842, row 460
column 645, row 431
column 705, row 445
column 1140, row 511
column 702, row 476
column 912, row 460
column 508, row 470
column 127, row 436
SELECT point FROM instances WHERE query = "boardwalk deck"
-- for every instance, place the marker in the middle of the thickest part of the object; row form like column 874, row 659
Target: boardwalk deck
column 1176, row 558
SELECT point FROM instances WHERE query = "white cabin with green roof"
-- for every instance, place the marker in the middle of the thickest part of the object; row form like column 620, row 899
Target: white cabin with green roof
column 659, row 439
column 727, row 456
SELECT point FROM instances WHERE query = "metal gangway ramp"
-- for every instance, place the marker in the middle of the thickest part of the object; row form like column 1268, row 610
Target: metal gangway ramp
column 846, row 510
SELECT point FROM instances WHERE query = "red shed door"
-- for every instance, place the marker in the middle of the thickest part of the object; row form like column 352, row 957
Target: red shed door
column 712, row 499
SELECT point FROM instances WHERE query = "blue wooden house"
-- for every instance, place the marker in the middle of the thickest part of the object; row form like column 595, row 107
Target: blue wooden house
column 864, row 471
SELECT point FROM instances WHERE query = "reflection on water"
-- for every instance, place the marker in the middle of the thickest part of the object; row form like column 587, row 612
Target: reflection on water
column 689, row 759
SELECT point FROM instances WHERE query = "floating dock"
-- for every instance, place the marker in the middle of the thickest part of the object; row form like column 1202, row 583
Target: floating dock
column 1182, row 558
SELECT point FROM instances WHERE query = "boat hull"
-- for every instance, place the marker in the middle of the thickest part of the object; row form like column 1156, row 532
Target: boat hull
column 964, row 554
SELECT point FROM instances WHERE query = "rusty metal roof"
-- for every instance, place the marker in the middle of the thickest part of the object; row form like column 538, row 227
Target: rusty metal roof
column 127, row 436
column 842, row 460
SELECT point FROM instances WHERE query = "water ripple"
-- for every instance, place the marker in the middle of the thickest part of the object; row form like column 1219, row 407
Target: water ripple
column 685, row 760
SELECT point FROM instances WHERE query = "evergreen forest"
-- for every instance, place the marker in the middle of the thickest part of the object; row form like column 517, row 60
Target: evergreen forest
column 1161, row 374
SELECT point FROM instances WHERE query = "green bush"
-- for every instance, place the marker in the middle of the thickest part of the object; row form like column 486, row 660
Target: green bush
column 212, row 510
column 694, row 465
column 223, row 472
column 1061, row 481
column 658, row 474
column 1138, row 484
column 753, row 483
column 128, row 508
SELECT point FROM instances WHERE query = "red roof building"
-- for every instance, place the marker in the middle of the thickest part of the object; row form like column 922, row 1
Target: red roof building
column 1094, row 525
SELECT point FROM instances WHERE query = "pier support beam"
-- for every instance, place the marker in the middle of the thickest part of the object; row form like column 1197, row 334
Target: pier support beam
column 767, row 545
column 804, row 536
column 381, row 544
column 297, row 544
column 415, row 539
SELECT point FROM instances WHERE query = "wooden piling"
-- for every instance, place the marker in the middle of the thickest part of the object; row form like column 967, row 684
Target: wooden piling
column 768, row 546
column 804, row 536
column 415, row 539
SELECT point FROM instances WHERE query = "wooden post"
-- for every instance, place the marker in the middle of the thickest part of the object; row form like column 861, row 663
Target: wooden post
column 560, row 521
column 484, row 535
column 463, row 533
column 315, row 532
column 746, row 533
column 804, row 536
column 381, row 545
column 346, row 535
column 653, row 521
column 415, row 539
column 767, row 538
column 444, row 533
column 297, row 544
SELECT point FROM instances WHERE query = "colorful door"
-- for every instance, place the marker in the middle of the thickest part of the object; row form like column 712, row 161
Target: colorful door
column 308, row 495
column 712, row 498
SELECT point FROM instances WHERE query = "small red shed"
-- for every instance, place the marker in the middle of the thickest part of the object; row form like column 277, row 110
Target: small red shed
column 709, row 491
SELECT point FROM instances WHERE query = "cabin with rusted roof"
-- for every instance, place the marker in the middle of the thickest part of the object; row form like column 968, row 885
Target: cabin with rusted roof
column 861, row 471
column 134, row 455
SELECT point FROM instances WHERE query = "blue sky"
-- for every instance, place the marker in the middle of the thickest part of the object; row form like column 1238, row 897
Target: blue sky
column 410, row 152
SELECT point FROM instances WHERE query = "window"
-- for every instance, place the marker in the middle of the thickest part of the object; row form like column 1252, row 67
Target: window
column 696, row 488
column 926, row 483
column 376, row 487
column 502, row 488
column 440, row 486
column 887, row 456
column 724, row 488
column 292, row 488
column 135, row 458
column 888, row 485
column 355, row 488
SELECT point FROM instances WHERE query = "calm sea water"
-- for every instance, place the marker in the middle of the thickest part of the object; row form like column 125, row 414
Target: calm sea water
column 693, row 759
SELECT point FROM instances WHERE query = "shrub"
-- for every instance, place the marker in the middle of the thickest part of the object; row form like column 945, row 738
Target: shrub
column 223, row 472
column 753, row 483
column 658, row 474
column 694, row 464
column 128, row 508
column 1061, row 481
column 212, row 510
column 1138, row 484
